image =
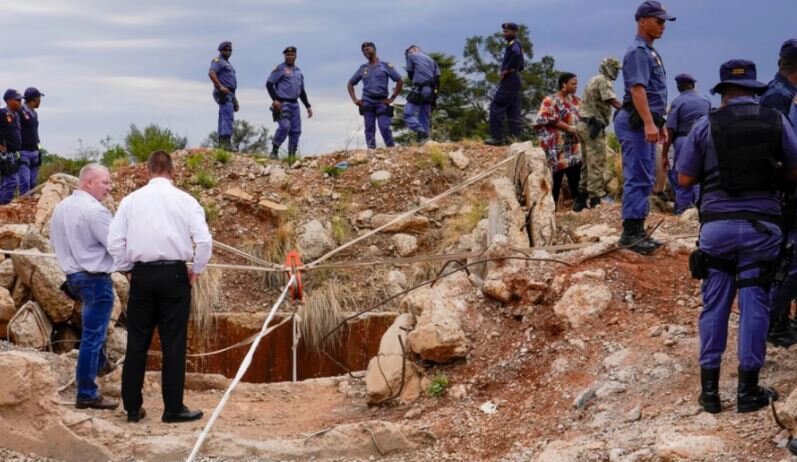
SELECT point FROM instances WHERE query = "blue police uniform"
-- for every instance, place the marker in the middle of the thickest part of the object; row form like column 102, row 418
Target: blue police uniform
column 685, row 110
column 226, row 74
column 780, row 93
column 506, row 102
column 374, row 109
column 29, row 156
column 11, row 138
column 425, row 75
column 286, row 85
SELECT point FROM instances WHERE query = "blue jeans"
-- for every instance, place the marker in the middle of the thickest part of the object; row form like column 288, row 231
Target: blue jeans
column 95, row 291
column 736, row 240
column 639, row 168
column 289, row 126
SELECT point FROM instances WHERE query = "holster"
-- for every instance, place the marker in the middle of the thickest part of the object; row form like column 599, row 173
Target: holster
column 9, row 163
column 595, row 127
column 635, row 120
column 220, row 98
column 415, row 96
column 37, row 162
column 783, row 264
column 700, row 262
column 275, row 114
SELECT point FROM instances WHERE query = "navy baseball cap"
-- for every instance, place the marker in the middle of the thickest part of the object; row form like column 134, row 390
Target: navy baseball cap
column 368, row 44
column 739, row 72
column 11, row 94
column 32, row 92
column 289, row 50
column 685, row 78
column 509, row 26
column 789, row 49
column 652, row 9
column 224, row 45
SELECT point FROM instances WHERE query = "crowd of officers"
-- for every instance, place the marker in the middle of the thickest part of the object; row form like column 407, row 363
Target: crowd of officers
column 20, row 156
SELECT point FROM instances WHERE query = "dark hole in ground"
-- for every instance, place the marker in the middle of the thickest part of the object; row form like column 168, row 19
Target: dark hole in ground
column 272, row 362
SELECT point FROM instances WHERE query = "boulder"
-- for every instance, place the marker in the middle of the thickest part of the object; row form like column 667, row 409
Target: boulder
column 57, row 188
column 239, row 195
column 115, row 343
column 44, row 278
column 439, row 336
column 787, row 411
column 314, row 240
column 583, row 301
column 406, row 244
column 396, row 282
column 506, row 280
column 506, row 217
column 7, row 307
column 23, row 237
column 380, row 177
column 413, row 224
column 459, row 159
column 532, row 174
column 671, row 445
column 121, row 287
column 358, row 157
column 277, row 176
column 363, row 219
column 7, row 274
column 66, row 338
column 20, row 293
column 31, row 327
column 383, row 378
column 452, row 288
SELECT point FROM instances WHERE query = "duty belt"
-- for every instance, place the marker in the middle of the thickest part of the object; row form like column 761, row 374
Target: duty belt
column 741, row 215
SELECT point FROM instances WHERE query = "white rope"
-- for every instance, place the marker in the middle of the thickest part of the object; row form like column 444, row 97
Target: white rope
column 241, row 371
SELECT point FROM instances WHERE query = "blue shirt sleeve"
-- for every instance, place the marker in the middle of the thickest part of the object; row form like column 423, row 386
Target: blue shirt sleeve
column 672, row 117
column 357, row 77
column 690, row 161
column 789, row 143
column 777, row 101
column 410, row 64
column 216, row 65
column 392, row 73
column 636, row 67
column 793, row 115
column 275, row 75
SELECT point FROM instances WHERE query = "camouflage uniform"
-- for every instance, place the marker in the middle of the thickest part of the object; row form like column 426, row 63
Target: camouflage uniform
column 595, row 105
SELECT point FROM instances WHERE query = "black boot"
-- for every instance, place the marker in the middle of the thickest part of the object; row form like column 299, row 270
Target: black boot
column 494, row 142
column 781, row 332
column 710, row 394
column 634, row 233
column 580, row 202
column 594, row 202
column 224, row 143
column 291, row 152
column 749, row 396
column 275, row 151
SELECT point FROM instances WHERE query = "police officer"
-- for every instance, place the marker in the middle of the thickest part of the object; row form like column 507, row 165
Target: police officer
column 375, row 105
column 285, row 85
column 595, row 112
column 506, row 102
column 424, row 73
column 10, row 144
column 222, row 74
column 640, row 123
column 30, row 158
column 685, row 110
column 783, row 88
column 732, row 155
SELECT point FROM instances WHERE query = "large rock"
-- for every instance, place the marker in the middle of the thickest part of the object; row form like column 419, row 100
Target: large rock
column 413, row 224
column 23, row 237
column 439, row 336
column 380, row 177
column 314, row 240
column 44, row 278
column 583, row 301
column 534, row 177
column 31, row 327
column 121, row 287
column 115, row 342
column 57, row 188
column 506, row 217
column 7, row 307
column 459, row 159
column 787, row 411
column 383, row 378
column 453, row 288
column 406, row 244
column 506, row 279
column 396, row 282
column 672, row 445
column 7, row 274
column 20, row 293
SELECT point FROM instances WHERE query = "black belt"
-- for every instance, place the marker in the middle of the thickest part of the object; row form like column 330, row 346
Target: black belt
column 286, row 100
column 373, row 96
column 159, row 263
column 91, row 274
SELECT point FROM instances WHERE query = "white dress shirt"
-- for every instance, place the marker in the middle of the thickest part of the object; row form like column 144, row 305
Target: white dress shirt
column 79, row 234
column 159, row 222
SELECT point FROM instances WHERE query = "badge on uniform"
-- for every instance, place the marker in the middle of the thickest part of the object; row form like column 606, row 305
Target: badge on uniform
column 9, row 118
column 288, row 72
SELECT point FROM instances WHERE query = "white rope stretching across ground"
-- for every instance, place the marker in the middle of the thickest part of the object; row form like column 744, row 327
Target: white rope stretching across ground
column 241, row 371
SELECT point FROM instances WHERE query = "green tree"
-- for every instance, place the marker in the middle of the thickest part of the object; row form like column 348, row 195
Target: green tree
column 114, row 153
column 246, row 138
column 141, row 143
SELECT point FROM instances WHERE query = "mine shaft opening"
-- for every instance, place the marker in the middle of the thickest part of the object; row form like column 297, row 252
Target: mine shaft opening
column 273, row 360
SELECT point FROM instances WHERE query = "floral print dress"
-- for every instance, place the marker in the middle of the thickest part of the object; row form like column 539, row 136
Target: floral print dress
column 562, row 148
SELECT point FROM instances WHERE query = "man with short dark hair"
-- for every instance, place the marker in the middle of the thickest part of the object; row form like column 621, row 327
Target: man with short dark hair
column 737, row 154
column 10, row 144
column 79, row 235
column 783, row 88
column 285, row 85
column 156, row 230
column 222, row 74
column 30, row 158
column 506, row 101
column 424, row 73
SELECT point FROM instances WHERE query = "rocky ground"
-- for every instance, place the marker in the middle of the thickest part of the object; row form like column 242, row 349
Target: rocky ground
column 592, row 359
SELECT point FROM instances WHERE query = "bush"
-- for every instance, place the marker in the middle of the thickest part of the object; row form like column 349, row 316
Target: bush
column 194, row 161
column 205, row 180
column 331, row 170
column 222, row 156
column 53, row 163
column 140, row 144
column 438, row 386
column 113, row 153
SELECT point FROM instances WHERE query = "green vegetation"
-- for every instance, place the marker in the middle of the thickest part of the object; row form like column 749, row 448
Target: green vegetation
column 246, row 138
column 114, row 155
column 331, row 170
column 195, row 161
column 141, row 143
column 438, row 386
column 205, row 180
column 211, row 212
column 291, row 159
column 438, row 157
column 221, row 156
column 341, row 229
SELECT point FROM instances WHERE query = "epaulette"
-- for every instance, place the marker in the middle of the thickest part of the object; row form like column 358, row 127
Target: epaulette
column 390, row 65
column 215, row 60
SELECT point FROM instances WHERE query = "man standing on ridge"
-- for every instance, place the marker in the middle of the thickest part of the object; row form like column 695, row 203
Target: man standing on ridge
column 10, row 144
column 506, row 102
column 424, row 73
column 30, row 158
column 285, row 85
column 222, row 74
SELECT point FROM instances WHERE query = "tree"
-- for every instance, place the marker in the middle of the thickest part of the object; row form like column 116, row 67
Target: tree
column 246, row 138
column 114, row 153
column 140, row 144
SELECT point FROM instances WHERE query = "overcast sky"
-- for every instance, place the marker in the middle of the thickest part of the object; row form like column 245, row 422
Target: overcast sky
column 104, row 64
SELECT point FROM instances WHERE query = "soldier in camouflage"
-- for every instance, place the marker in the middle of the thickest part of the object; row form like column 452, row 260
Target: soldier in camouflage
column 596, row 111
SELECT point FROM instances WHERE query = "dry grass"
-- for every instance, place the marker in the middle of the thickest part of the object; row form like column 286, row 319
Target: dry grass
column 320, row 313
column 205, row 294
column 273, row 250
column 422, row 272
column 464, row 223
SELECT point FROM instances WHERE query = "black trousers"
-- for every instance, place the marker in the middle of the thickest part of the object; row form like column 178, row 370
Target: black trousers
column 160, row 296
column 573, row 174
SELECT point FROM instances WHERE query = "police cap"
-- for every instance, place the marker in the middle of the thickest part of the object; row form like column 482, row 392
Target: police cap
column 289, row 50
column 509, row 26
column 11, row 94
column 652, row 9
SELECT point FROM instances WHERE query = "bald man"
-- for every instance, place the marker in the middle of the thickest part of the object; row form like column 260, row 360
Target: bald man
column 79, row 235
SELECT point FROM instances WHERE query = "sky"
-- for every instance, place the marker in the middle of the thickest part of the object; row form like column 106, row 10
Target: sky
column 106, row 64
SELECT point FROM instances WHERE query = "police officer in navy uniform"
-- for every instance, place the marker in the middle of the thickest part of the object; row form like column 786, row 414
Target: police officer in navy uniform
column 506, row 102
column 640, row 123
column 737, row 154
column 684, row 112
column 783, row 88
column 424, row 73
column 285, row 85
column 222, row 74
column 375, row 105
column 10, row 144
column 30, row 158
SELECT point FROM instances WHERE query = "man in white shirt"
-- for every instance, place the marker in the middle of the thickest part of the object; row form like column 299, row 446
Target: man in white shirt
column 79, row 232
column 153, row 236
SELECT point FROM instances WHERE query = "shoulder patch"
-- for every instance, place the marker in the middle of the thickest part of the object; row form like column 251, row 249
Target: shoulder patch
column 276, row 68
column 215, row 60
column 390, row 65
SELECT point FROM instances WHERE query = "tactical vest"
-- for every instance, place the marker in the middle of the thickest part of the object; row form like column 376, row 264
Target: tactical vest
column 748, row 142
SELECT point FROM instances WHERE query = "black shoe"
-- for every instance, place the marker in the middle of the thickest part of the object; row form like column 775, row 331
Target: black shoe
column 749, row 396
column 633, row 237
column 225, row 143
column 580, row 202
column 185, row 415
column 781, row 333
column 135, row 416
column 493, row 142
column 594, row 202
column 275, row 152
column 421, row 137
column 99, row 402
column 709, row 390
